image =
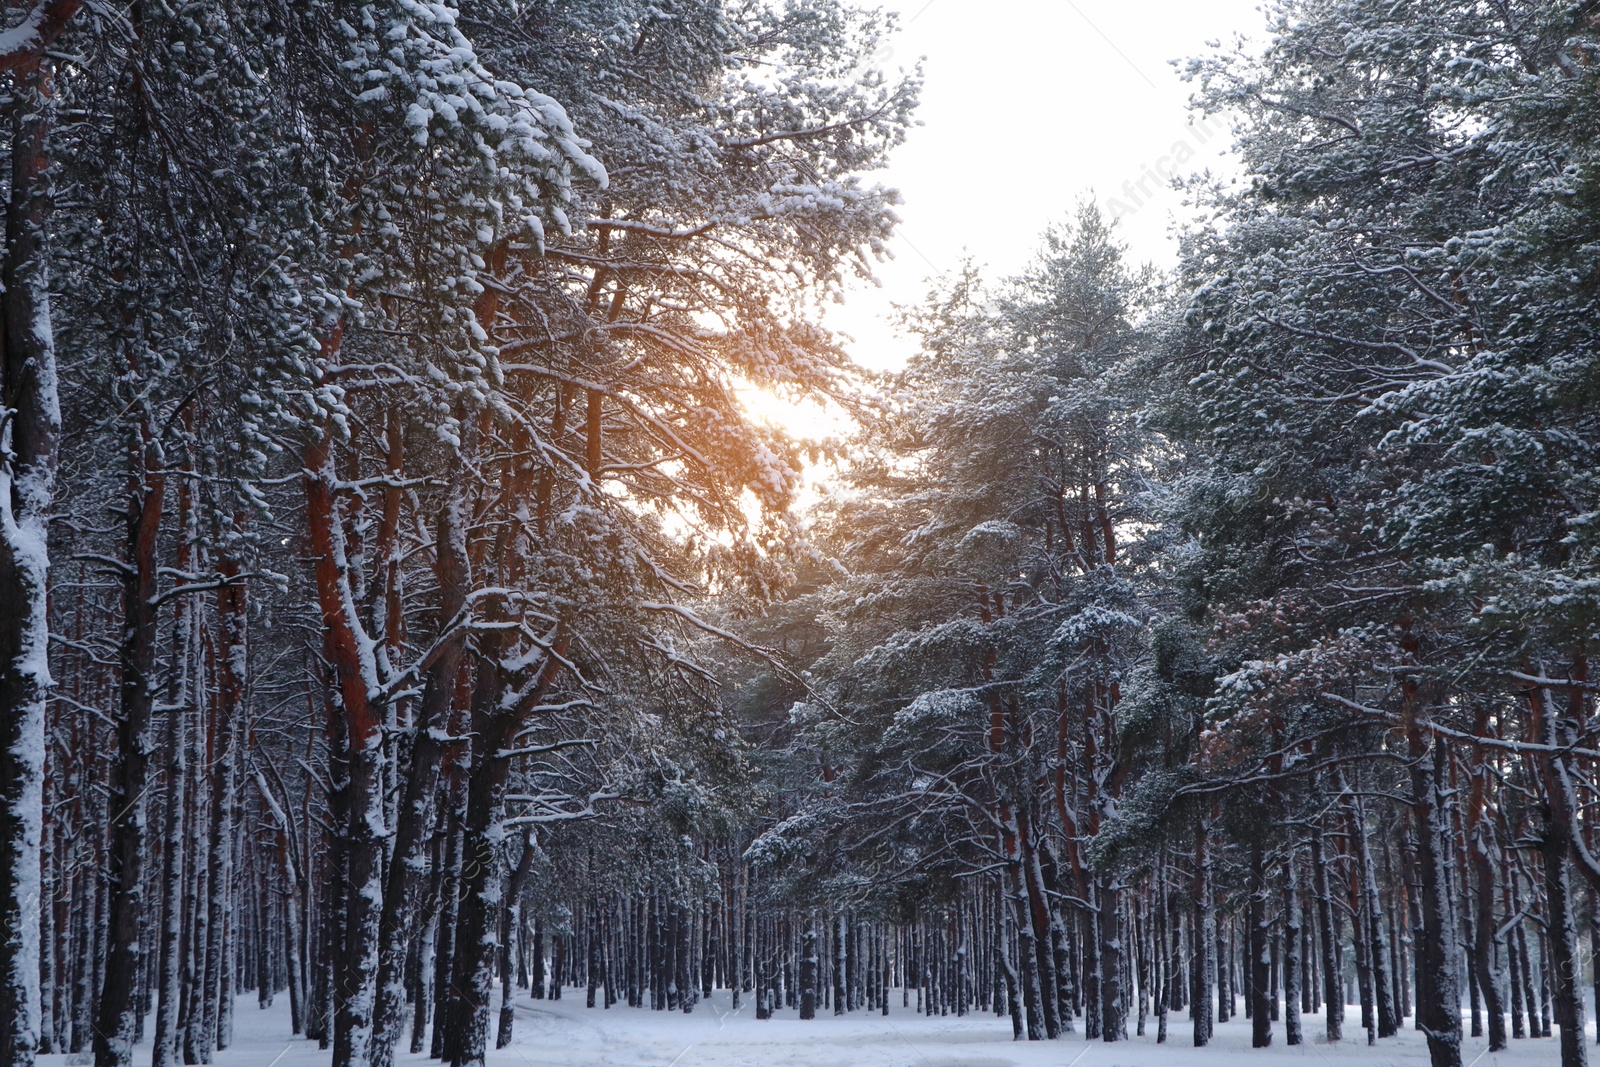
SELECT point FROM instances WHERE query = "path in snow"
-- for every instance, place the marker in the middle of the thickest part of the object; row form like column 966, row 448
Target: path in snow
column 565, row 1034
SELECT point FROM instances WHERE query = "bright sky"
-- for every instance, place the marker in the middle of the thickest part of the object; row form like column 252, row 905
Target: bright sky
column 1029, row 105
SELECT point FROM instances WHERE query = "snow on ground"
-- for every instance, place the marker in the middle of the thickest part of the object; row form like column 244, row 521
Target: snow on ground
column 566, row 1034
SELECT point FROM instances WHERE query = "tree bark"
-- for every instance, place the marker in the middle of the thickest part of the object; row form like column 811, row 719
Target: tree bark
column 1259, row 939
column 228, row 724
column 1039, row 922
column 1490, row 943
column 510, row 934
column 1113, row 1017
column 1440, row 1012
column 1328, row 932
column 808, row 972
column 1205, row 961
column 409, row 861
column 493, row 729
column 1291, row 950
column 1562, row 940
column 1557, row 844
column 146, row 495
column 351, row 657
column 165, row 1045
column 28, row 445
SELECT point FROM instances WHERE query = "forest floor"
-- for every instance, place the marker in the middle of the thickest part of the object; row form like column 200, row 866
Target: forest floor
column 566, row 1034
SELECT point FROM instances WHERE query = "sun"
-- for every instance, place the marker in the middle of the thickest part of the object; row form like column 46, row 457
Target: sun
column 804, row 419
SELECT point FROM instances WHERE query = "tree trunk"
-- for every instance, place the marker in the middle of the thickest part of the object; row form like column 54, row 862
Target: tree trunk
column 1556, row 846
column 28, row 445
column 1489, row 943
column 146, row 493
column 1328, row 931
column 283, row 855
column 841, row 935
column 510, row 932
column 1259, row 939
column 165, row 1045
column 1205, row 961
column 1003, row 941
column 350, row 656
column 228, row 723
column 1027, row 956
column 1594, row 950
column 1378, row 957
column 457, row 768
column 493, row 728
column 1224, row 964
column 335, row 881
column 1039, row 922
column 1440, row 1012
column 1291, row 950
column 409, row 861
column 1113, row 1017
column 808, row 972
column 1160, row 962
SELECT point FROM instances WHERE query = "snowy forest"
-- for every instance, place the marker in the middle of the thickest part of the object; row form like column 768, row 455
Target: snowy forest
column 404, row 618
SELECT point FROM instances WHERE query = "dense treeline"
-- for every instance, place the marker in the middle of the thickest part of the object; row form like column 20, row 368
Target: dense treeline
column 398, row 608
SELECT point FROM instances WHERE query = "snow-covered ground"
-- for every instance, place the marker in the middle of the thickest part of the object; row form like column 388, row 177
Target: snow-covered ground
column 566, row 1034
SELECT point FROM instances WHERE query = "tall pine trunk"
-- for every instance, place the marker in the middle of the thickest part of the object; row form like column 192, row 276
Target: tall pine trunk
column 1439, row 1011
column 493, row 726
column 1113, row 1017
column 228, row 719
column 1370, row 916
column 335, row 878
column 1205, row 930
column 411, row 845
column 1039, row 921
column 1554, row 848
column 511, row 933
column 28, row 443
column 1291, row 949
column 1258, row 938
column 1329, row 940
column 168, row 965
column 1557, row 844
column 130, row 769
column 808, row 971
column 355, row 676
column 1490, row 942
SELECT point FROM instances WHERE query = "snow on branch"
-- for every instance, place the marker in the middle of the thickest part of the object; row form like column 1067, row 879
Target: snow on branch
column 23, row 44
